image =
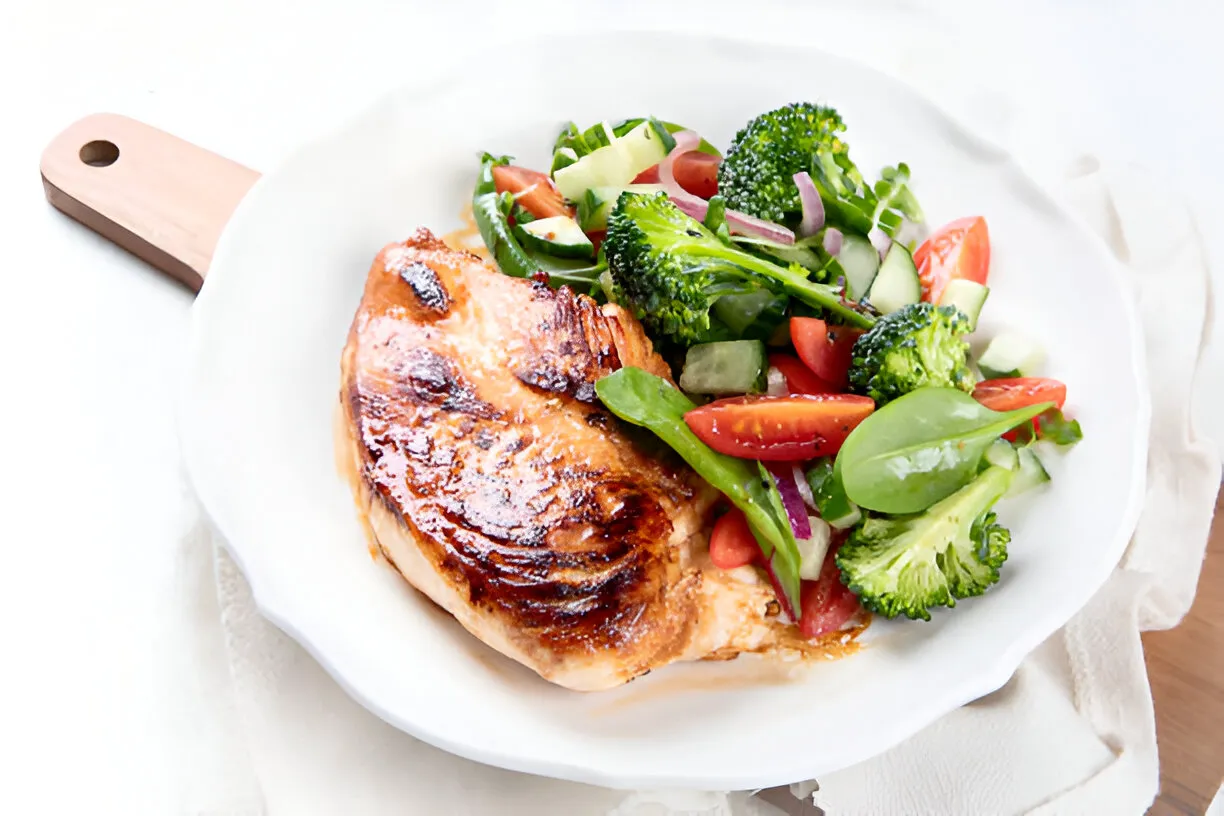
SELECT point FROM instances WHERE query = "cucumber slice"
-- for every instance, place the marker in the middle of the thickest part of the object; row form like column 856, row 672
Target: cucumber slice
column 966, row 295
column 729, row 367
column 613, row 165
column 897, row 283
column 563, row 157
column 860, row 263
column 1030, row 474
column 559, row 236
column 812, row 550
column 596, row 204
column 1002, row 454
column 1010, row 355
column 646, row 146
column 832, row 502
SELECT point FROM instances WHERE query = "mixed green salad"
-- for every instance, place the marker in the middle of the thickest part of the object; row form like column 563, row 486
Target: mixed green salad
column 820, row 338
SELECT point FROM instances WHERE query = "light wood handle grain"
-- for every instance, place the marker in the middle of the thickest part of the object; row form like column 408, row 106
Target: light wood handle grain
column 161, row 198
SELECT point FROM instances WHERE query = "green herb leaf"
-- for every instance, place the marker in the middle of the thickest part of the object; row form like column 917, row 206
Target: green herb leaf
column 1054, row 426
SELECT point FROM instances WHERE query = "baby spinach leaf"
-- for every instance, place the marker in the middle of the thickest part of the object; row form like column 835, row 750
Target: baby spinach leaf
column 921, row 448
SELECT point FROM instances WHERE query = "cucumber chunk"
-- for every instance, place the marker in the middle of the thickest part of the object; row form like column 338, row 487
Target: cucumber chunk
column 646, row 146
column 897, row 283
column 559, row 236
column 1029, row 475
column 967, row 296
column 1010, row 355
column 860, row 263
column 728, row 367
column 613, row 165
column 564, row 157
column 1002, row 454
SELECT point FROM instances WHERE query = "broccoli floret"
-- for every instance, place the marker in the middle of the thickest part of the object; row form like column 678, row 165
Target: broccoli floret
column 904, row 565
column 756, row 175
column 915, row 346
column 671, row 269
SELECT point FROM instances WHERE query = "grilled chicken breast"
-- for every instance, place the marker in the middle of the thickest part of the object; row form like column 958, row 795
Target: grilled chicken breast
column 496, row 484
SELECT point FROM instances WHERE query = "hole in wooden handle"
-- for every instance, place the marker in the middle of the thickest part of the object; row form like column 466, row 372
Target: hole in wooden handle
column 100, row 153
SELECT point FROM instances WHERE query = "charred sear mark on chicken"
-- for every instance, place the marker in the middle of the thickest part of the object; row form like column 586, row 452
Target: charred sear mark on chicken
column 571, row 347
column 428, row 378
column 426, row 286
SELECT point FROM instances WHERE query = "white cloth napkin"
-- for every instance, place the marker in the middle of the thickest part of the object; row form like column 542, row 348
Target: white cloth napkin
column 1073, row 732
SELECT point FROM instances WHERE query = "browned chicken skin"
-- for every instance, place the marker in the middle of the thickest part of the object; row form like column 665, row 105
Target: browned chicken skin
column 496, row 483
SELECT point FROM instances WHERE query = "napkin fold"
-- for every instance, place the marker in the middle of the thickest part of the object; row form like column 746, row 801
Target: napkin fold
column 1072, row 732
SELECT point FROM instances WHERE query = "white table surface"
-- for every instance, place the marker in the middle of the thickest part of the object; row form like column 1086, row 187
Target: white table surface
column 92, row 503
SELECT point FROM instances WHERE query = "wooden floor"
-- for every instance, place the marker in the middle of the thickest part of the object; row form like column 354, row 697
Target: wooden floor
column 1186, row 667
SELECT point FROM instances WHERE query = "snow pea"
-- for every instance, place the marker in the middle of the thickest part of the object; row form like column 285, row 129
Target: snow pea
column 921, row 448
column 640, row 398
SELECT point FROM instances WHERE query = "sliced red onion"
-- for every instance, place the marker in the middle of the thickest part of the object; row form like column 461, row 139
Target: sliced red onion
column 813, row 207
column 832, row 242
column 790, row 610
column 880, row 240
column 805, row 489
column 695, row 207
column 796, row 512
column 775, row 383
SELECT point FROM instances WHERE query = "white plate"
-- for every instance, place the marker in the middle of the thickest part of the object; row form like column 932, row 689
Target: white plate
column 263, row 382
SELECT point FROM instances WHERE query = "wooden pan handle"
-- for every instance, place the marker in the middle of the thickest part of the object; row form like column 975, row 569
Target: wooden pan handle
column 160, row 198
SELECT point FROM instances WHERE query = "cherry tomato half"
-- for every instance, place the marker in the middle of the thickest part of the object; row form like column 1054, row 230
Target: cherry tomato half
column 543, row 200
column 731, row 541
column 1010, row 393
column 825, row 349
column 799, row 378
column 648, row 176
column 695, row 171
column 826, row 603
column 960, row 249
column 779, row 429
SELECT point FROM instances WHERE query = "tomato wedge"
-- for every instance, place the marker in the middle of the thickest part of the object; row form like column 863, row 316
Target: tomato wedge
column 779, row 429
column 826, row 603
column 697, row 173
column 960, row 249
column 648, row 176
column 597, row 238
column 1010, row 393
column 825, row 349
column 799, row 378
column 731, row 541
column 533, row 191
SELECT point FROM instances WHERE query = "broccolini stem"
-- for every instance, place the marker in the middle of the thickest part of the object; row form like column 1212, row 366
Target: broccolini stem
column 820, row 295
